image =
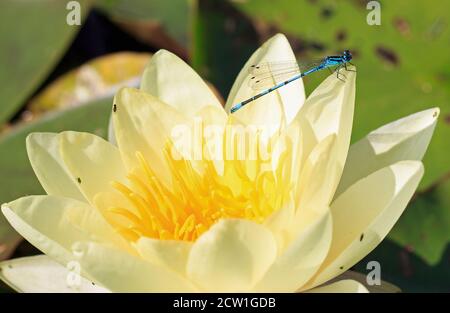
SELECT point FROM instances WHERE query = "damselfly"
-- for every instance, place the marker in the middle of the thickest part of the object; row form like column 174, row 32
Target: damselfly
column 279, row 74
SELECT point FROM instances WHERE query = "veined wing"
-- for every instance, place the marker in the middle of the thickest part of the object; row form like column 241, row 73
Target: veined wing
column 266, row 81
column 268, row 74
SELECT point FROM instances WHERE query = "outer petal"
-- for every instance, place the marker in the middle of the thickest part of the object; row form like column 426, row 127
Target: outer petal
column 121, row 272
column 53, row 224
column 329, row 110
column 365, row 213
column 44, row 154
column 342, row 286
column 170, row 253
column 171, row 80
column 300, row 261
column 42, row 274
column 92, row 161
column 404, row 139
column 231, row 256
column 279, row 105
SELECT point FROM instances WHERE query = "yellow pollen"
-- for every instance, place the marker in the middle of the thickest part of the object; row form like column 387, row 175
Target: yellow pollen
column 196, row 200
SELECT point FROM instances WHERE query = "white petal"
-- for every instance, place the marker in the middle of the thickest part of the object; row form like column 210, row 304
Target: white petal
column 121, row 272
column 404, row 139
column 111, row 134
column 170, row 253
column 43, row 275
column 145, row 124
column 53, row 224
column 171, row 80
column 276, row 106
column 342, row 286
column 300, row 261
column 92, row 161
column 231, row 256
column 329, row 110
column 44, row 154
column 319, row 177
column 365, row 213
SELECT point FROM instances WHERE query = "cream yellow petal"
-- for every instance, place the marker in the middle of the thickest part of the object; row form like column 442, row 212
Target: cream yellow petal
column 121, row 272
column 44, row 154
column 301, row 259
column 404, row 139
column 40, row 274
column 144, row 124
column 279, row 105
column 329, row 110
column 320, row 174
column 342, row 286
column 231, row 256
column 170, row 253
column 92, row 161
column 279, row 222
column 365, row 213
column 171, row 80
column 111, row 134
column 53, row 224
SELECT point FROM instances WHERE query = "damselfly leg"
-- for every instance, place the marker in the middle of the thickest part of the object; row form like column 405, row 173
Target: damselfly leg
column 347, row 69
column 338, row 72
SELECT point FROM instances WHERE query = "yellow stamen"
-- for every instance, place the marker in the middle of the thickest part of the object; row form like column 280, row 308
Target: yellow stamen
column 198, row 199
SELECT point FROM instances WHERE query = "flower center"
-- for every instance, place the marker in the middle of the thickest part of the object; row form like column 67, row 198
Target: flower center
column 197, row 199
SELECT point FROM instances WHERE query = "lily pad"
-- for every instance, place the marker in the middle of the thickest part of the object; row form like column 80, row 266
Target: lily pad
column 425, row 226
column 34, row 36
column 174, row 16
column 95, row 79
column 406, row 270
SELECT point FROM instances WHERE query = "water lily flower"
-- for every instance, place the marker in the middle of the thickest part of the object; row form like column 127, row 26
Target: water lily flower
column 130, row 215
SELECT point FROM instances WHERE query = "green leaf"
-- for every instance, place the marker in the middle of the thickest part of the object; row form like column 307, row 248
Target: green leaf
column 174, row 15
column 407, row 271
column 17, row 177
column 223, row 40
column 425, row 225
column 34, row 36
column 403, row 64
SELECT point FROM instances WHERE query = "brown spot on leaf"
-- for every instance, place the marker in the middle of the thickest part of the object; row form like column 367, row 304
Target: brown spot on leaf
column 341, row 35
column 405, row 262
column 402, row 26
column 446, row 118
column 326, row 12
column 387, row 55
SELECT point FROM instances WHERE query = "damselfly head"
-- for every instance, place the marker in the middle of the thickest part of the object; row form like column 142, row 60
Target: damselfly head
column 347, row 55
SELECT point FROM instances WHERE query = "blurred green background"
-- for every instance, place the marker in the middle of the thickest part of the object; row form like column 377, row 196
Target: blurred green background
column 55, row 76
